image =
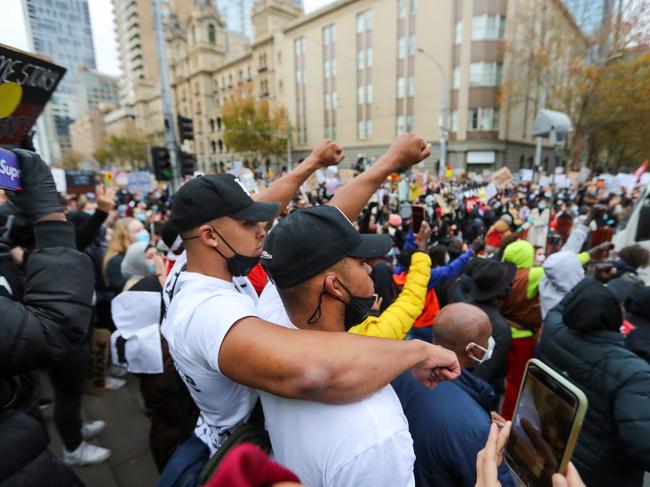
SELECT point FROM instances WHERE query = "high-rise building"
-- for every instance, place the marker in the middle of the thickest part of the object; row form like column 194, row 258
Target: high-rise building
column 93, row 88
column 136, row 43
column 237, row 14
column 589, row 14
column 60, row 31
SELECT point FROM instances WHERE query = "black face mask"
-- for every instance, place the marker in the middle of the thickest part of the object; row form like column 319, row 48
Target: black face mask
column 238, row 265
column 357, row 308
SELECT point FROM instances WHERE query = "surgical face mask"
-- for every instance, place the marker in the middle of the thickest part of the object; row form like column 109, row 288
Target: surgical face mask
column 541, row 206
column 142, row 236
column 357, row 308
column 151, row 267
column 142, row 217
column 487, row 352
column 238, row 265
column 575, row 210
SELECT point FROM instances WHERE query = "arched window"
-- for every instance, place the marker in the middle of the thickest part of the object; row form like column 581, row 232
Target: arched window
column 213, row 146
column 211, row 126
column 212, row 36
column 220, row 145
column 219, row 124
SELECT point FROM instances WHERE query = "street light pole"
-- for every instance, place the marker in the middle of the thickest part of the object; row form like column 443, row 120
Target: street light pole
column 166, row 97
column 445, row 112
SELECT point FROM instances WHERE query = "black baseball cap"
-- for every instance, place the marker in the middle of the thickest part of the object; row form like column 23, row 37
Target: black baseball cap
column 209, row 197
column 311, row 240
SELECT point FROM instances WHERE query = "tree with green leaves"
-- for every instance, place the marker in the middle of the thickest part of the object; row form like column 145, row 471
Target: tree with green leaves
column 254, row 127
column 123, row 152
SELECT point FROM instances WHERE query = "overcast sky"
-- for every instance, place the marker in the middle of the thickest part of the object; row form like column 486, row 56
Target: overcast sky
column 13, row 29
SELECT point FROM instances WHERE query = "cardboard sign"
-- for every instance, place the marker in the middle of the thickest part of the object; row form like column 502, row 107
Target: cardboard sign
column 526, row 175
column 502, row 177
column 80, row 181
column 26, row 85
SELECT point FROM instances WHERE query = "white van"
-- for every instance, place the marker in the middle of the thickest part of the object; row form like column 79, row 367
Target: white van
column 637, row 229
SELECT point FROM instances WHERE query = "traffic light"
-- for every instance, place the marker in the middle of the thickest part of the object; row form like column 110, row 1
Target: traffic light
column 162, row 166
column 185, row 128
column 188, row 164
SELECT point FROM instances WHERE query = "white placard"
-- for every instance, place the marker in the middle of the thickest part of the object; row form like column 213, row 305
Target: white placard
column 58, row 175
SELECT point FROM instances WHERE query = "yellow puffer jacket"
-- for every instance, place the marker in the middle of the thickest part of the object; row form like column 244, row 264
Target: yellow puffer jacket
column 396, row 320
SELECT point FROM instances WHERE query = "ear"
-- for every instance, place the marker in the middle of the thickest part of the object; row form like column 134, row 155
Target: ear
column 333, row 287
column 207, row 236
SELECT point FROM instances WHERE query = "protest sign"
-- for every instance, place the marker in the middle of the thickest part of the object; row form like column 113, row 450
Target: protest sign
column 139, row 182
column 80, row 181
column 502, row 177
column 58, row 175
column 526, row 175
column 26, row 84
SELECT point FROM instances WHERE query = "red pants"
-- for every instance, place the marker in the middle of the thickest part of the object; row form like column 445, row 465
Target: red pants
column 521, row 350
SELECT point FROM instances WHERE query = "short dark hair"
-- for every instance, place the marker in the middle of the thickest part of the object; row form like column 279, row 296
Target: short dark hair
column 635, row 255
column 437, row 254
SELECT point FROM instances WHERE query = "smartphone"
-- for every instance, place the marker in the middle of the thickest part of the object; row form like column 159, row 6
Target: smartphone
column 418, row 218
column 9, row 170
column 546, row 425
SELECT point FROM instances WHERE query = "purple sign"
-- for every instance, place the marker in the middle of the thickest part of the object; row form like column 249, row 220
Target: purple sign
column 9, row 170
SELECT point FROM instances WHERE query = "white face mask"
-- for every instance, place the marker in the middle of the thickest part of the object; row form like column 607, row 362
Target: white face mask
column 487, row 352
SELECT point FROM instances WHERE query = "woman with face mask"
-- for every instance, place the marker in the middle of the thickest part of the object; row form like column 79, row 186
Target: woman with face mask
column 140, row 261
column 539, row 219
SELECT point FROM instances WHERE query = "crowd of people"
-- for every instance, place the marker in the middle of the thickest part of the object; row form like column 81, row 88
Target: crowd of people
column 312, row 334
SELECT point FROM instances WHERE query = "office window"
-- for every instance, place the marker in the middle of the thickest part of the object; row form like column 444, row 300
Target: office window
column 368, row 19
column 483, row 119
column 326, row 36
column 400, row 87
column 412, row 46
column 411, row 86
column 401, row 48
column 455, row 78
column 328, row 103
column 361, row 95
column 361, row 59
column 327, row 132
column 488, row 27
column 453, row 121
column 401, row 8
column 485, row 74
column 326, row 69
column 409, row 123
column 368, row 129
column 413, row 5
column 401, row 125
column 458, row 32
column 361, row 129
column 369, row 57
column 361, row 23
column 369, row 94
column 334, row 100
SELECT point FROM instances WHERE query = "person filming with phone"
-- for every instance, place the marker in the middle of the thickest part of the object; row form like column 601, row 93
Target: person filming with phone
column 45, row 308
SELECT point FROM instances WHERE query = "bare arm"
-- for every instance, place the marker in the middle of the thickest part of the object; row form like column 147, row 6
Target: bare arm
column 329, row 367
column 327, row 153
column 406, row 150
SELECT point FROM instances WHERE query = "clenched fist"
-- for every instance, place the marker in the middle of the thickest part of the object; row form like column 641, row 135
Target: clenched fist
column 439, row 365
column 327, row 153
column 407, row 150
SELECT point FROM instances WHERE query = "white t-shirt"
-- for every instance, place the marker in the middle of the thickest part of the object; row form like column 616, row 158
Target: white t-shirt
column 362, row 444
column 200, row 314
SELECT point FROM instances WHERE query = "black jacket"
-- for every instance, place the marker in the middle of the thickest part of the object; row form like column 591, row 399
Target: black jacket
column 580, row 339
column 54, row 312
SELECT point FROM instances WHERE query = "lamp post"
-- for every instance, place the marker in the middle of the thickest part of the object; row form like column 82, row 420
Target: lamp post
column 445, row 112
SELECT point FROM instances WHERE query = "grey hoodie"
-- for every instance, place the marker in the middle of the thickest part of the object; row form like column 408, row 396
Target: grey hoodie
column 563, row 270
